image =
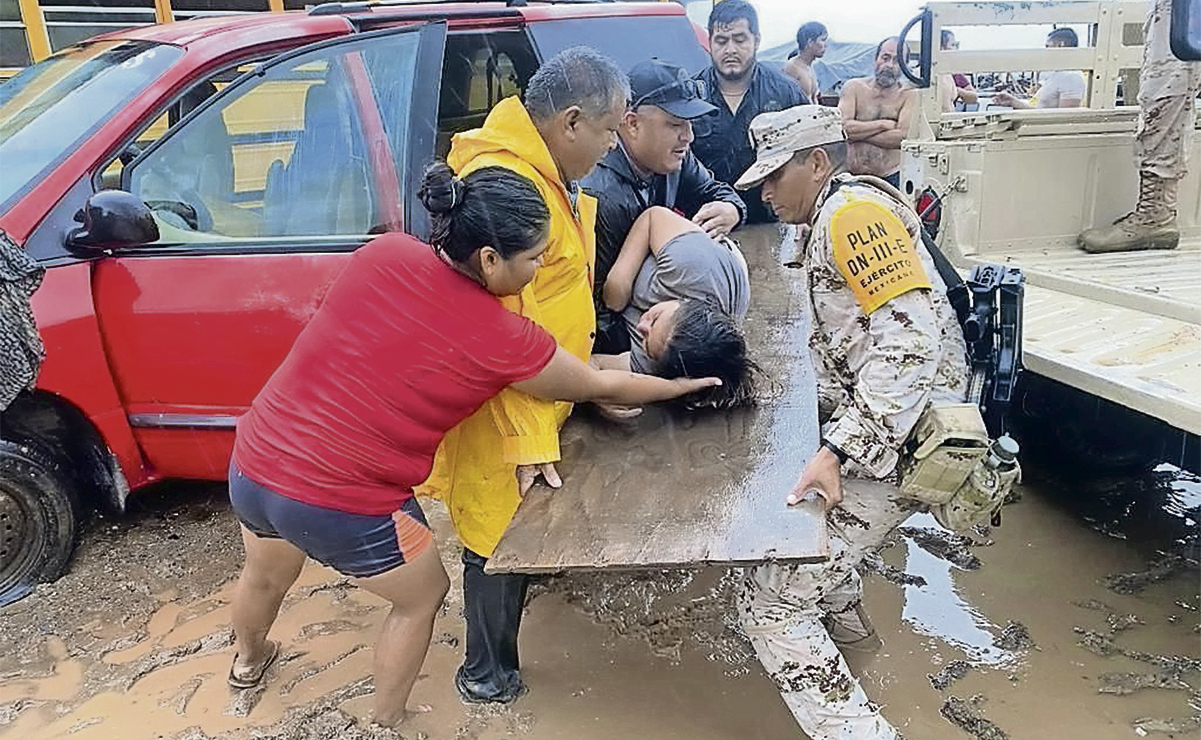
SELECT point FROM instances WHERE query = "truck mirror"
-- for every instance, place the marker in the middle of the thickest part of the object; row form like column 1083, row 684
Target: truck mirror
column 112, row 219
column 1186, row 29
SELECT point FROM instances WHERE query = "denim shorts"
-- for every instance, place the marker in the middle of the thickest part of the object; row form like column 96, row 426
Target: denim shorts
column 357, row 545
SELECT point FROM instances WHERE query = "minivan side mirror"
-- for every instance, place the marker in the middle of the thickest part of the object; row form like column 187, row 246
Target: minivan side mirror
column 112, row 219
column 1186, row 30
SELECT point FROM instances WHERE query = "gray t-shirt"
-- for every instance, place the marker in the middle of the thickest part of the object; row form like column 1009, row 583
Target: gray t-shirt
column 690, row 266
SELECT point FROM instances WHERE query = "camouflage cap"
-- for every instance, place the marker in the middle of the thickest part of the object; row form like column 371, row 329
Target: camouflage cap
column 778, row 135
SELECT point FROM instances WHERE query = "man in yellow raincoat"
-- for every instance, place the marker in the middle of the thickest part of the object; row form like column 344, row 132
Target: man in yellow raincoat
column 568, row 122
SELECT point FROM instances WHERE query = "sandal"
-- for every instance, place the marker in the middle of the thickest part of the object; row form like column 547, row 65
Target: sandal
column 256, row 676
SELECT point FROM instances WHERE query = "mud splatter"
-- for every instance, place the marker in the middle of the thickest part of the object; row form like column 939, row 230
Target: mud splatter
column 963, row 715
column 954, row 548
column 1180, row 726
column 1117, row 622
column 1015, row 636
column 1128, row 683
column 667, row 610
column 1137, row 582
column 875, row 564
column 950, row 673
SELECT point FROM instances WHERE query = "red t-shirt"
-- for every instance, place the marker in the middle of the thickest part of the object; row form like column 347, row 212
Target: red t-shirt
column 403, row 348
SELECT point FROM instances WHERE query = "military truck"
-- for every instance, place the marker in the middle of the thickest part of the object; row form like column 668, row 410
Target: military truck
column 1112, row 342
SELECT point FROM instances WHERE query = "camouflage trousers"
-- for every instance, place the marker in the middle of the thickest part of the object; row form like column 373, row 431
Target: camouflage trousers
column 781, row 607
column 1168, row 90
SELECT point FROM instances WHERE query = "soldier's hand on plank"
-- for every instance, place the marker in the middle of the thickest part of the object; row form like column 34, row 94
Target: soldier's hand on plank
column 717, row 218
column 527, row 474
column 823, row 476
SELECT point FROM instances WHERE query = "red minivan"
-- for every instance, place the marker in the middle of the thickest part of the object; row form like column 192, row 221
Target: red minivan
column 267, row 148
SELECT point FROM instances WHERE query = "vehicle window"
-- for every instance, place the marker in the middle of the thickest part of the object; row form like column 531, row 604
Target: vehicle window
column 111, row 175
column 293, row 151
column 49, row 109
column 629, row 40
column 478, row 71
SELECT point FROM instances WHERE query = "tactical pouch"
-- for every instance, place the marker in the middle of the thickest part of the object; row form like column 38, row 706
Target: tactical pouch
column 980, row 497
column 946, row 445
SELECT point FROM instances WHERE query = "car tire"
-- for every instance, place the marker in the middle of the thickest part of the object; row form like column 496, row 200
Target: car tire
column 38, row 520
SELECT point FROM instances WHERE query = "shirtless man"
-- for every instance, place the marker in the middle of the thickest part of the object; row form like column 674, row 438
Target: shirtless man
column 811, row 44
column 876, row 113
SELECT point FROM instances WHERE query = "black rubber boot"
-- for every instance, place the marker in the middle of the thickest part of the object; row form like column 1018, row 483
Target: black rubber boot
column 492, row 606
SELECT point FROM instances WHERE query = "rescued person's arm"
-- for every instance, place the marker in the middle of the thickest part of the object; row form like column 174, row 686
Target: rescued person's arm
column 654, row 228
column 567, row 378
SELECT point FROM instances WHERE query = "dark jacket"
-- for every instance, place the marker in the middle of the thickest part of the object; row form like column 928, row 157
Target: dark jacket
column 725, row 148
column 622, row 196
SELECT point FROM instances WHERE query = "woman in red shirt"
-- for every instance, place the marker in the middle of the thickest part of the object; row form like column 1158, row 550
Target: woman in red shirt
column 408, row 342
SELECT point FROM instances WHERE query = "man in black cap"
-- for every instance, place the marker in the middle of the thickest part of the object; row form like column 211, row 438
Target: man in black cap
column 653, row 165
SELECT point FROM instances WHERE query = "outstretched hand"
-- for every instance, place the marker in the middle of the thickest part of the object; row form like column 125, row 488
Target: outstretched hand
column 528, row 474
column 692, row 385
column 822, row 476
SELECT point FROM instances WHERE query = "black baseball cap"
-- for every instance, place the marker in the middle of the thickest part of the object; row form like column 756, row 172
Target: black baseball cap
column 668, row 87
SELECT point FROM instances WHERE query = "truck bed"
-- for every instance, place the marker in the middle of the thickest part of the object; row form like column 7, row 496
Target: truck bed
column 1126, row 327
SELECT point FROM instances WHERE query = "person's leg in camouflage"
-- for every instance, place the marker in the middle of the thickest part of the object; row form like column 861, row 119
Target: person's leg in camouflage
column 1168, row 88
column 783, row 608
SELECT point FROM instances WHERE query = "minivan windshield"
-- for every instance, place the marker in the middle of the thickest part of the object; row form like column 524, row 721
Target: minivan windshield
column 48, row 109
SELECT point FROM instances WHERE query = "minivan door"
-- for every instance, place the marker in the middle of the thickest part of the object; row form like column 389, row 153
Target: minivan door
column 261, row 195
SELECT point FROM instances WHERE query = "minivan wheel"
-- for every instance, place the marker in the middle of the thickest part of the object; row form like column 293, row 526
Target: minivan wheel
column 37, row 520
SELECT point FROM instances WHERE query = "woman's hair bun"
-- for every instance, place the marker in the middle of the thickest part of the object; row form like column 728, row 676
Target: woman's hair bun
column 440, row 190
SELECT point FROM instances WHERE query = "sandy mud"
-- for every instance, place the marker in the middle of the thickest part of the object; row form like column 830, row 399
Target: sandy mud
column 1068, row 622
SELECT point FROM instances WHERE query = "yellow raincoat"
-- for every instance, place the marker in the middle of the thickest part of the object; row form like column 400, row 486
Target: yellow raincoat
column 475, row 469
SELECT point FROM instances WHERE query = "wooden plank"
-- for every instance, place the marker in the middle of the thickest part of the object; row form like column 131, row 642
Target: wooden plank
column 681, row 488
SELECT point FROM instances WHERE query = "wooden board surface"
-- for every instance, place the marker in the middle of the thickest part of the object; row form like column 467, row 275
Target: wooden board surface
column 677, row 488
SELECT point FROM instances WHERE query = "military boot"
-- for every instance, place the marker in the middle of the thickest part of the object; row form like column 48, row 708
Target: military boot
column 1151, row 225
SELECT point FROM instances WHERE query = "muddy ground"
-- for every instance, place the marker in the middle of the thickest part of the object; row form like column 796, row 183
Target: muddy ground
column 1067, row 623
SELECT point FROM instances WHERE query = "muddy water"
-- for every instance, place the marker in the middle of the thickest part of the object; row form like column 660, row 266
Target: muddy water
column 1027, row 631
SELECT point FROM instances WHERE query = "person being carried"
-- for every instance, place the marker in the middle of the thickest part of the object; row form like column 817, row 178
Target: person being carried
column 877, row 112
column 682, row 296
column 408, row 342
column 1167, row 99
column 811, row 45
column 1058, row 89
column 740, row 88
column 568, row 122
column 886, row 345
column 654, row 166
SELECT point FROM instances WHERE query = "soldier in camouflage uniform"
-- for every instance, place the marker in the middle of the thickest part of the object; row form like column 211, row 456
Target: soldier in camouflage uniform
column 1167, row 92
column 885, row 344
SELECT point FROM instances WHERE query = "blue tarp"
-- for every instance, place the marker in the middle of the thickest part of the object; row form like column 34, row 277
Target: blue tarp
column 843, row 61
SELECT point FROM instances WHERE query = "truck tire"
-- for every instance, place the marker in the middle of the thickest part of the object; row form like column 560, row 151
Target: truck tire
column 38, row 520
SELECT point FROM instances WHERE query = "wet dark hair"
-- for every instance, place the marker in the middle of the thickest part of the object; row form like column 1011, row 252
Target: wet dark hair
column 730, row 12
column 707, row 343
column 492, row 207
column 811, row 31
column 1065, row 36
